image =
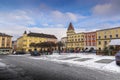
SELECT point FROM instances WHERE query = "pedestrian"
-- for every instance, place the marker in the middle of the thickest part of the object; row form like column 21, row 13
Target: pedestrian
column 35, row 52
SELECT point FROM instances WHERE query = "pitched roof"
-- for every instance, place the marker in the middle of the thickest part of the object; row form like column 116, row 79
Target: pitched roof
column 70, row 26
column 4, row 35
column 41, row 35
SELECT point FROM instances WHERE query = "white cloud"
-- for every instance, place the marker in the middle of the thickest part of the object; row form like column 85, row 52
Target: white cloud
column 58, row 16
column 72, row 16
column 112, row 8
column 15, row 17
column 102, row 9
column 17, row 31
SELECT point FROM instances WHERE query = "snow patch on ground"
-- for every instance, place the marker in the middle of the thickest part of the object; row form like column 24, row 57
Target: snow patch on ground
column 2, row 64
column 111, row 67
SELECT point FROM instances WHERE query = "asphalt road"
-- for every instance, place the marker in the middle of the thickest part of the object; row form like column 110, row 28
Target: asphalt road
column 23, row 68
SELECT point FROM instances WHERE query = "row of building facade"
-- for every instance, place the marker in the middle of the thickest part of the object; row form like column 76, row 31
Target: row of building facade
column 23, row 43
column 97, row 40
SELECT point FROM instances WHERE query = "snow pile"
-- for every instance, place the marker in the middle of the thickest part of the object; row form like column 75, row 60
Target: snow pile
column 112, row 67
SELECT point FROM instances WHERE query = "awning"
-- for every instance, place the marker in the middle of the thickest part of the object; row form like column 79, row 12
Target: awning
column 115, row 42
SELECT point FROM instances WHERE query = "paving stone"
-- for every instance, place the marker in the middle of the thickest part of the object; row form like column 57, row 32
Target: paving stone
column 69, row 58
column 105, row 61
column 83, row 59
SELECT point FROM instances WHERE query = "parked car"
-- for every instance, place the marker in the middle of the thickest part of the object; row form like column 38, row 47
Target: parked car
column 20, row 52
column 117, row 58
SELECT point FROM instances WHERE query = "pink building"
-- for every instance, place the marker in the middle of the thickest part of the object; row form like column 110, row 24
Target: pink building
column 90, row 40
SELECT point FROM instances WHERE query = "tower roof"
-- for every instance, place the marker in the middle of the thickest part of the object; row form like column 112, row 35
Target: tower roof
column 25, row 32
column 70, row 26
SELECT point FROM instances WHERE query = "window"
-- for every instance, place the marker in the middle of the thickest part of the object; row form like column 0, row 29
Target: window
column 94, row 43
column 99, row 37
column 3, row 39
column 3, row 44
column 8, row 44
column 105, row 42
column 116, row 35
column 110, row 36
column 99, row 48
column 99, row 43
column 93, row 38
column 89, row 44
column 105, row 36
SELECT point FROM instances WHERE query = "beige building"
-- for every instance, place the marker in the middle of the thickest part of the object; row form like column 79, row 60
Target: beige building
column 105, row 36
column 74, row 40
column 5, row 43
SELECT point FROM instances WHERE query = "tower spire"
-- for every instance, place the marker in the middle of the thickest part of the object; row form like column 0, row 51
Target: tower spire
column 70, row 29
column 70, row 26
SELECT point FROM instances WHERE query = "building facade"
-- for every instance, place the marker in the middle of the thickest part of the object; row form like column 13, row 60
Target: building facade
column 5, row 43
column 74, row 40
column 90, row 40
column 23, row 42
column 105, row 36
column 97, row 40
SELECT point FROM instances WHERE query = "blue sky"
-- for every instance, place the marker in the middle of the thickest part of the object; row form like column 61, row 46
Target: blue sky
column 53, row 16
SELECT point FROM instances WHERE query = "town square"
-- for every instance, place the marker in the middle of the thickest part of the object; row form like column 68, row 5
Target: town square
column 59, row 40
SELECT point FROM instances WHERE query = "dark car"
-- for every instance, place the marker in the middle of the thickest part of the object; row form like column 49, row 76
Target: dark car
column 20, row 52
column 117, row 58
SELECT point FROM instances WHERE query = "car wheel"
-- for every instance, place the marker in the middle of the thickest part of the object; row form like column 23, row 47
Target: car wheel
column 117, row 63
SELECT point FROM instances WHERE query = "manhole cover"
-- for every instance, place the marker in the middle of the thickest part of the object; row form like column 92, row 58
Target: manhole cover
column 105, row 61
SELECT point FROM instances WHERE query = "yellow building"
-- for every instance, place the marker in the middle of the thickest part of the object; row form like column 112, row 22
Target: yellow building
column 23, row 42
column 74, row 40
column 5, row 43
column 105, row 36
